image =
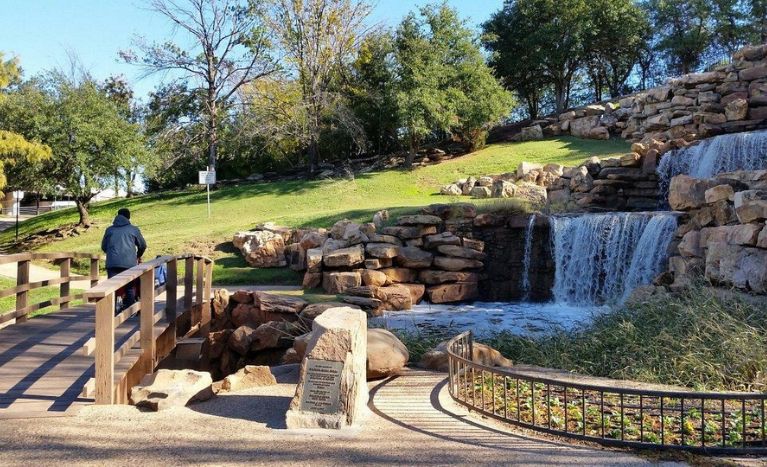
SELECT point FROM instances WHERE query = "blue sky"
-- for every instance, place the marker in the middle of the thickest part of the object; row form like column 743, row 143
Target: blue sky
column 43, row 33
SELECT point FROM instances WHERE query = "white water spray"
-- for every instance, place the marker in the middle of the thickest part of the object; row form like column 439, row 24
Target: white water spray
column 527, row 258
column 712, row 156
column 601, row 258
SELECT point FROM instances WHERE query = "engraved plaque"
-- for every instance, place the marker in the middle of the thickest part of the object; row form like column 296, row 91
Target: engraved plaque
column 322, row 386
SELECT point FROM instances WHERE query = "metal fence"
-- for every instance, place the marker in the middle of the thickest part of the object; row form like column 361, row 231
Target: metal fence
column 712, row 422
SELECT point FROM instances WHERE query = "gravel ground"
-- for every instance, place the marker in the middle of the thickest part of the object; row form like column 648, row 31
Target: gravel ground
column 412, row 421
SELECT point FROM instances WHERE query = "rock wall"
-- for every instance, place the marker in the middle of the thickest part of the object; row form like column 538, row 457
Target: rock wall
column 626, row 183
column 731, row 98
column 722, row 237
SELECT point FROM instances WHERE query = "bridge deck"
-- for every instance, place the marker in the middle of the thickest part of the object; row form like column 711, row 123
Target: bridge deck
column 43, row 368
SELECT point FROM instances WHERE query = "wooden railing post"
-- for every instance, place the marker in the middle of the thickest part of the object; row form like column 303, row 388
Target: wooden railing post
column 171, row 297
column 199, row 292
column 148, row 350
column 94, row 271
column 22, row 278
column 188, row 283
column 206, row 296
column 105, row 350
column 65, row 267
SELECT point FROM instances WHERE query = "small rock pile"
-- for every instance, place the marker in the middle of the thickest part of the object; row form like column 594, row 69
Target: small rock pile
column 722, row 236
column 621, row 183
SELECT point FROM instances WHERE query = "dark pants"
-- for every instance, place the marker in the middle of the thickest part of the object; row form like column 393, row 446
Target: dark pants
column 129, row 291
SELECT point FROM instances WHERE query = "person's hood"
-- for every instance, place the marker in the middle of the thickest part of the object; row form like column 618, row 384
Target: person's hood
column 121, row 221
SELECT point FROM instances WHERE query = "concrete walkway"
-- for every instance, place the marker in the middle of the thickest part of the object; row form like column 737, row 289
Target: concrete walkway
column 412, row 421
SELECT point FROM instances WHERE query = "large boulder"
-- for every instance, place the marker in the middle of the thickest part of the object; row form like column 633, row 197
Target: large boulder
column 448, row 263
column 272, row 303
column 241, row 338
column 417, row 291
column 451, row 293
column 687, row 193
column 332, row 390
column 394, row 297
column 338, row 282
column 345, row 257
column 437, row 358
column 386, row 354
column 313, row 310
column 252, row 376
column 398, row 275
column 261, row 248
column 461, row 252
column 742, row 267
column 372, row 277
column 419, row 219
column 432, row 277
column 166, row 389
column 445, row 238
column 382, row 250
column 413, row 257
column 751, row 205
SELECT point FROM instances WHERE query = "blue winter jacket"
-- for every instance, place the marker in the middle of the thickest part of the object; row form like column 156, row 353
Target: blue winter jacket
column 123, row 244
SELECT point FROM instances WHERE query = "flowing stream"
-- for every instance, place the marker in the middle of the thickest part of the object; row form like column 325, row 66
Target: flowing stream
column 601, row 258
column 527, row 259
column 724, row 153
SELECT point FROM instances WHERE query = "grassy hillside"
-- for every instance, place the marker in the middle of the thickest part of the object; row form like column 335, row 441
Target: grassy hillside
column 175, row 222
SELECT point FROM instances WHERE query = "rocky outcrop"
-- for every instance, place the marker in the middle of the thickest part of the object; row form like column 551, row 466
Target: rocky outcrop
column 386, row 354
column 437, row 358
column 626, row 183
column 723, row 238
column 166, row 389
column 728, row 99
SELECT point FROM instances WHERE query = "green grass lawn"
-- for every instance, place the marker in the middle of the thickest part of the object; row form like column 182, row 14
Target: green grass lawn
column 35, row 296
column 176, row 222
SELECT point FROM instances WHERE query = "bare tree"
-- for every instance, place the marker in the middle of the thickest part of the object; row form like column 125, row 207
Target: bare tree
column 318, row 38
column 231, row 48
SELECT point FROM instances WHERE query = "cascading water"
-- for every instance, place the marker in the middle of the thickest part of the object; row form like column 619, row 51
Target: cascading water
column 527, row 259
column 601, row 258
column 725, row 153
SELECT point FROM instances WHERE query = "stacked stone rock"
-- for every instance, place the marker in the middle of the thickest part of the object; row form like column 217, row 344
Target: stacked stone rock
column 731, row 98
column 621, row 183
column 723, row 235
column 394, row 268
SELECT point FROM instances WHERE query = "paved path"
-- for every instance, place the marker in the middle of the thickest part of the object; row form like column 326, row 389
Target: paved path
column 39, row 273
column 413, row 421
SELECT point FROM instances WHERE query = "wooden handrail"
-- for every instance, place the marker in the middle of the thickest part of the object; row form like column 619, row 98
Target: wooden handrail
column 24, row 286
column 112, row 383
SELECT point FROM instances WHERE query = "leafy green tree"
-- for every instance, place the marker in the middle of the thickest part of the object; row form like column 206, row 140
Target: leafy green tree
column 15, row 149
column 443, row 81
column 371, row 92
column 319, row 39
column 231, row 48
column 550, row 37
column 89, row 138
column 684, row 32
column 617, row 34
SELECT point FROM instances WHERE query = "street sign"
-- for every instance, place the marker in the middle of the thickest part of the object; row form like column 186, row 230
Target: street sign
column 207, row 177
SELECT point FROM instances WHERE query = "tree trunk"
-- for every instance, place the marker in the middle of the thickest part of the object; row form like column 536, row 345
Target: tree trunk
column 82, row 209
column 212, row 129
column 313, row 151
column 411, row 152
column 559, row 96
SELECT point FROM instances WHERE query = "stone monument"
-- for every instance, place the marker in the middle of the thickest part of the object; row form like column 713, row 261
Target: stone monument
column 332, row 389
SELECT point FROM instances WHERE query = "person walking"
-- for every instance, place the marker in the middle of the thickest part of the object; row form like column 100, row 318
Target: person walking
column 124, row 246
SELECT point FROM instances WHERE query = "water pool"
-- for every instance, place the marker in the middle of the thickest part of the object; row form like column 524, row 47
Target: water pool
column 483, row 318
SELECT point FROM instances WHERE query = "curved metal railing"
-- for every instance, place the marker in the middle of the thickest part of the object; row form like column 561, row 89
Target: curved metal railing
column 713, row 422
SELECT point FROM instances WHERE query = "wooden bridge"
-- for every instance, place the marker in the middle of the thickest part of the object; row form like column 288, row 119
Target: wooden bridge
column 85, row 352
